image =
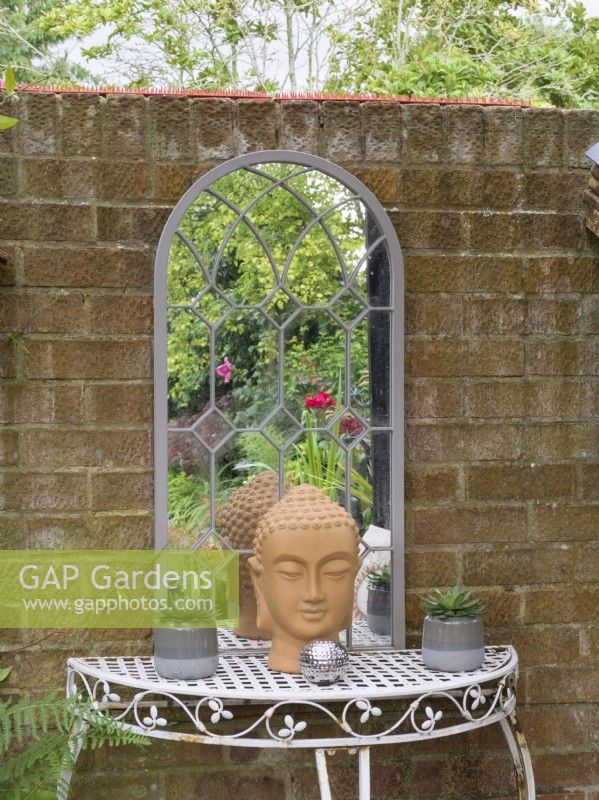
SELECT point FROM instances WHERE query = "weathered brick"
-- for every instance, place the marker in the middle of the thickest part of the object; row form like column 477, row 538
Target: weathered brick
column 171, row 181
column 118, row 491
column 73, row 448
column 131, row 223
column 548, row 230
column 562, row 357
column 592, row 316
column 102, row 359
column 124, row 127
column 211, row 123
column 34, row 402
column 122, row 313
column 494, row 316
column 544, row 397
column 381, row 123
column 170, row 128
column 552, row 315
column 40, row 491
column 431, row 484
column 42, row 312
column 561, row 274
column 543, row 136
column 342, row 131
column 426, row 568
column 81, row 124
column 57, row 179
column 546, row 645
column 519, row 482
column 122, row 180
column 430, row 229
column 8, row 267
column 382, row 181
column 582, row 131
column 463, row 524
column 9, row 448
column 465, row 357
column 46, row 221
column 545, row 724
column 463, row 273
column 8, row 176
column 554, row 190
column 135, row 786
column 433, row 314
column 183, row 784
column 462, row 442
column 588, row 481
column 464, row 126
column 424, row 137
column 571, row 604
column 561, row 441
column 515, row 565
column 8, row 141
column 11, row 538
column 300, row 126
column 429, row 397
column 564, row 684
column 571, row 522
column 121, row 531
column 37, row 131
column 503, row 135
column 257, row 125
column 120, row 402
column 8, row 358
column 100, row 267
column 502, row 607
column 498, row 231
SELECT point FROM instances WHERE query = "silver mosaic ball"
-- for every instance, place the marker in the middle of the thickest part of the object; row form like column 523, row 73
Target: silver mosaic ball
column 323, row 662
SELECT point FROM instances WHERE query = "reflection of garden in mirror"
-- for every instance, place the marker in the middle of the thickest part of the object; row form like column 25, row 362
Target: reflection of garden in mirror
column 268, row 343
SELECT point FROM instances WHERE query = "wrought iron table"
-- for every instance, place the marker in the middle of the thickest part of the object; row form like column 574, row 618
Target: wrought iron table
column 130, row 690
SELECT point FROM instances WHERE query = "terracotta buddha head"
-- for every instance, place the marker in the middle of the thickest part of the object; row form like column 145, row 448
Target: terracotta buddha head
column 303, row 571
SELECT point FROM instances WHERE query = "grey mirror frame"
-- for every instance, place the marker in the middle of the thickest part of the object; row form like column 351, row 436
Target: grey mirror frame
column 397, row 352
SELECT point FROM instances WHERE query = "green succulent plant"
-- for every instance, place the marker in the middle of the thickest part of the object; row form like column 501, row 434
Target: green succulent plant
column 456, row 602
column 379, row 576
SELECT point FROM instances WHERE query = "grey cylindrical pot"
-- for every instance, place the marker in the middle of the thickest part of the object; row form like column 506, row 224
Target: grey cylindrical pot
column 454, row 644
column 378, row 610
column 185, row 654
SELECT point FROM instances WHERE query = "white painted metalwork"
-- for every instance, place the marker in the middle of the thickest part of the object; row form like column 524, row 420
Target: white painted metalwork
column 130, row 690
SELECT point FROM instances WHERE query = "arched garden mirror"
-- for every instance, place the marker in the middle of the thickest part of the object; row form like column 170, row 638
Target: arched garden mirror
column 279, row 360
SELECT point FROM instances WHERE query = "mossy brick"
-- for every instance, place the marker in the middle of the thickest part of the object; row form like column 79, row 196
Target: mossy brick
column 121, row 531
column 519, row 482
column 82, row 124
column 431, row 397
column 564, row 273
column 104, row 266
column 8, row 357
column 549, row 441
column 382, row 181
column 591, row 323
column 494, row 316
column 124, row 127
column 43, row 491
column 9, row 447
column 503, row 135
column 212, row 135
column 459, row 525
column 101, row 359
column 545, row 315
column 59, row 179
column 465, row 356
column 300, row 126
column 8, row 176
column 131, row 223
column 30, row 402
column 32, row 312
column 342, row 131
column 555, row 190
column 46, row 221
column 425, row 568
column 474, row 188
column 541, row 397
column 11, row 538
column 464, row 131
column 381, row 126
column 122, row 180
column 566, row 522
column 8, row 267
column 169, row 119
column 424, row 138
column 517, row 565
column 432, row 483
column 43, row 448
column 562, row 357
column 462, row 441
column 37, row 131
column 120, row 402
column 430, row 229
column 462, row 273
column 588, row 482
column 120, row 313
column 582, row 131
column 256, row 125
column 171, row 181
column 418, row 186
column 544, row 130
column 500, row 231
column 119, row 491
column 433, row 314
column 549, row 230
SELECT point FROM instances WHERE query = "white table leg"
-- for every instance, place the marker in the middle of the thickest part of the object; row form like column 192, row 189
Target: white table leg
column 323, row 775
column 521, row 757
column 364, row 773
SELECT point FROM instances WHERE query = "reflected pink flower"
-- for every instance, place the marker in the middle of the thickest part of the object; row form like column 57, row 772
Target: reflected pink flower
column 225, row 370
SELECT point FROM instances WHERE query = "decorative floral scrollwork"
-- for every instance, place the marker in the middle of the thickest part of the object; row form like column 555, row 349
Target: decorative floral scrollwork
column 291, row 727
column 216, row 705
column 153, row 720
column 473, row 698
column 367, row 710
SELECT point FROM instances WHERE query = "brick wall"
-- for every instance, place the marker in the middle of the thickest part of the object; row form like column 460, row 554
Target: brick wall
column 502, row 449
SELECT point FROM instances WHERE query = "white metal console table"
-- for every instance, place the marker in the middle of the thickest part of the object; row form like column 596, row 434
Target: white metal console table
column 131, row 691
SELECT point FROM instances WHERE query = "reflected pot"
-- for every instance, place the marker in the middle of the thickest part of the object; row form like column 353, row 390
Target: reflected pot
column 378, row 610
column 454, row 644
column 185, row 654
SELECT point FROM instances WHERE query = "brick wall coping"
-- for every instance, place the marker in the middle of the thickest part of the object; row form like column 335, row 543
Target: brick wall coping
column 237, row 94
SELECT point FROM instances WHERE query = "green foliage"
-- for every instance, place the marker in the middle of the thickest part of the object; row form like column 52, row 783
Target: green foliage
column 379, row 576
column 455, row 602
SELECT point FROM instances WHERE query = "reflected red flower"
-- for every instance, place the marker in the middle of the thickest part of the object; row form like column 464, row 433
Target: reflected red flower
column 350, row 426
column 320, row 400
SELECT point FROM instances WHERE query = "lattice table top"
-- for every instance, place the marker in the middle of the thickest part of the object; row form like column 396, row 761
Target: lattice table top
column 374, row 674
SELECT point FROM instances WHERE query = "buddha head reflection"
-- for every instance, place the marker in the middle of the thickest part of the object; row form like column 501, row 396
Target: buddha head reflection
column 303, row 571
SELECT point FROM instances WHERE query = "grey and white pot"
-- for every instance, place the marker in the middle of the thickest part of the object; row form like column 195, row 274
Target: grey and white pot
column 453, row 644
column 185, row 654
column 378, row 610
